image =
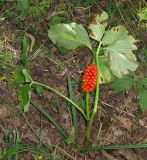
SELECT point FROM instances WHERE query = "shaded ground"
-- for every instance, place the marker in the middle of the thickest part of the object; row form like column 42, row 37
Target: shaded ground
column 115, row 124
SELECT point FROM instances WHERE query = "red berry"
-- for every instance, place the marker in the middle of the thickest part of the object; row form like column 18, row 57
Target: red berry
column 89, row 78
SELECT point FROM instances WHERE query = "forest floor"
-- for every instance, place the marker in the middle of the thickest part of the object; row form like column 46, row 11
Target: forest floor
column 118, row 121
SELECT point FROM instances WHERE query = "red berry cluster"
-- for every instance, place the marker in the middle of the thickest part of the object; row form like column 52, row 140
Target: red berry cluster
column 89, row 78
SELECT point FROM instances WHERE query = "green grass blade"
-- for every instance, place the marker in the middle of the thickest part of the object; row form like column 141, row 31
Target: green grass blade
column 73, row 109
column 129, row 146
column 19, row 148
column 49, row 118
column 17, row 142
column 12, row 140
column 10, row 143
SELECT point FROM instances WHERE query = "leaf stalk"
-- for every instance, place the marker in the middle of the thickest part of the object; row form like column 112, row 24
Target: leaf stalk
column 90, row 121
column 61, row 95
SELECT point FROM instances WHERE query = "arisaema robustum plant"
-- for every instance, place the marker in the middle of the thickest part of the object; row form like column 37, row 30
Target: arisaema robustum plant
column 113, row 58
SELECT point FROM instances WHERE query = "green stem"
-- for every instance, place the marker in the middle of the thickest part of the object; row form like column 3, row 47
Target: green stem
column 61, row 95
column 88, row 128
column 90, row 121
column 87, row 105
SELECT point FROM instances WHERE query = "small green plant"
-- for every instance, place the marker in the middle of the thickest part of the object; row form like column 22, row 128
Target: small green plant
column 1, row 3
column 113, row 58
column 89, row 2
column 14, row 146
column 30, row 7
column 23, row 7
column 55, row 20
column 140, row 83
column 11, row 141
column 143, row 14
column 5, row 61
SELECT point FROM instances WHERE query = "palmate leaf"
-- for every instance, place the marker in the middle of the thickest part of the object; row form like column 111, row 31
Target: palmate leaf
column 142, row 96
column 97, row 26
column 118, row 46
column 120, row 65
column 105, row 74
column 69, row 36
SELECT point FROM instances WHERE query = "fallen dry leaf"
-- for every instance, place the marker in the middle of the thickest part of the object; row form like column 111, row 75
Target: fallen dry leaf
column 127, row 154
column 125, row 122
column 72, row 134
column 4, row 113
column 108, row 156
column 114, row 134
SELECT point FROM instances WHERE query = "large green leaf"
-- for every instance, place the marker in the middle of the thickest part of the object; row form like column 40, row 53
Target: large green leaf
column 105, row 74
column 97, row 26
column 122, row 84
column 118, row 45
column 25, row 96
column 69, row 36
column 142, row 96
column 120, row 65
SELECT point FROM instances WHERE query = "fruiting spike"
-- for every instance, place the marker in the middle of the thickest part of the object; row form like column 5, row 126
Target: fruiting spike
column 89, row 78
